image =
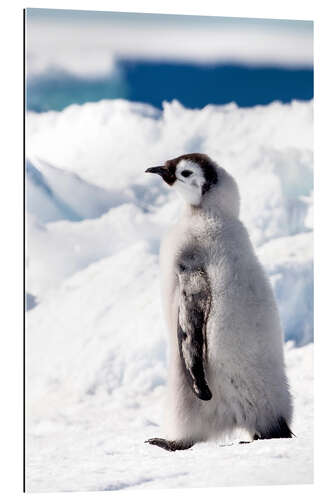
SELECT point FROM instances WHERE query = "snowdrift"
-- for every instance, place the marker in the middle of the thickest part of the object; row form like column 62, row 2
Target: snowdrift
column 56, row 194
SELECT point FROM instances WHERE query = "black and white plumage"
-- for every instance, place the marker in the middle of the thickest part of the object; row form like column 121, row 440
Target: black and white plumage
column 194, row 306
column 226, row 367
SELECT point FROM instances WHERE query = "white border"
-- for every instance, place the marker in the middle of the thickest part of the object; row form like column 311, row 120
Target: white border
column 283, row 9
column 11, row 231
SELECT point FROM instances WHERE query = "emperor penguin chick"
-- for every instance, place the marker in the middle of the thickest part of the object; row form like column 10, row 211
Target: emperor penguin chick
column 226, row 366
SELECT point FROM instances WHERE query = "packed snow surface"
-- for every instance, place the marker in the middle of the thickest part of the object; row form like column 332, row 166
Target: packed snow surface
column 96, row 350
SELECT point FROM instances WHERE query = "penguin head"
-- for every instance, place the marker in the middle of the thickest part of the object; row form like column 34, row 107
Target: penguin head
column 191, row 175
column 201, row 182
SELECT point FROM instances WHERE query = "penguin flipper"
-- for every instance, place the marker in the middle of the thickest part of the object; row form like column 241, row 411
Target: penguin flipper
column 194, row 306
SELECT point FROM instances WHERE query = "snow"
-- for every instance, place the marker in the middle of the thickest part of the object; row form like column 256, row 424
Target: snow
column 289, row 263
column 50, row 194
column 96, row 351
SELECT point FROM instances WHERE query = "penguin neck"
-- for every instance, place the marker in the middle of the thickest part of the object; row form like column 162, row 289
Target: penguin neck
column 205, row 210
column 213, row 204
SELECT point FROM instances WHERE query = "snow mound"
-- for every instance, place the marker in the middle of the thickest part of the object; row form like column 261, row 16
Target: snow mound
column 57, row 194
column 58, row 250
column 109, row 336
column 289, row 264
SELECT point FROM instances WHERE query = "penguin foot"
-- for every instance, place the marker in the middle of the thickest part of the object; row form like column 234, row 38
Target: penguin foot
column 170, row 445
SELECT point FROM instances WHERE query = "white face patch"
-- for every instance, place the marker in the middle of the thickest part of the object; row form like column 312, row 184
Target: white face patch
column 190, row 180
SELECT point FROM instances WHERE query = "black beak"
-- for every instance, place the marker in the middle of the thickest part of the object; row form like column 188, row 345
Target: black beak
column 167, row 174
column 156, row 170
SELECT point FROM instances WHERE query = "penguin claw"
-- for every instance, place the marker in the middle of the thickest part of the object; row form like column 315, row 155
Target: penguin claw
column 169, row 445
column 157, row 442
column 162, row 443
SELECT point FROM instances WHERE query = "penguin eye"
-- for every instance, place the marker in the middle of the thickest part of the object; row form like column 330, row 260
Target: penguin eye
column 186, row 173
